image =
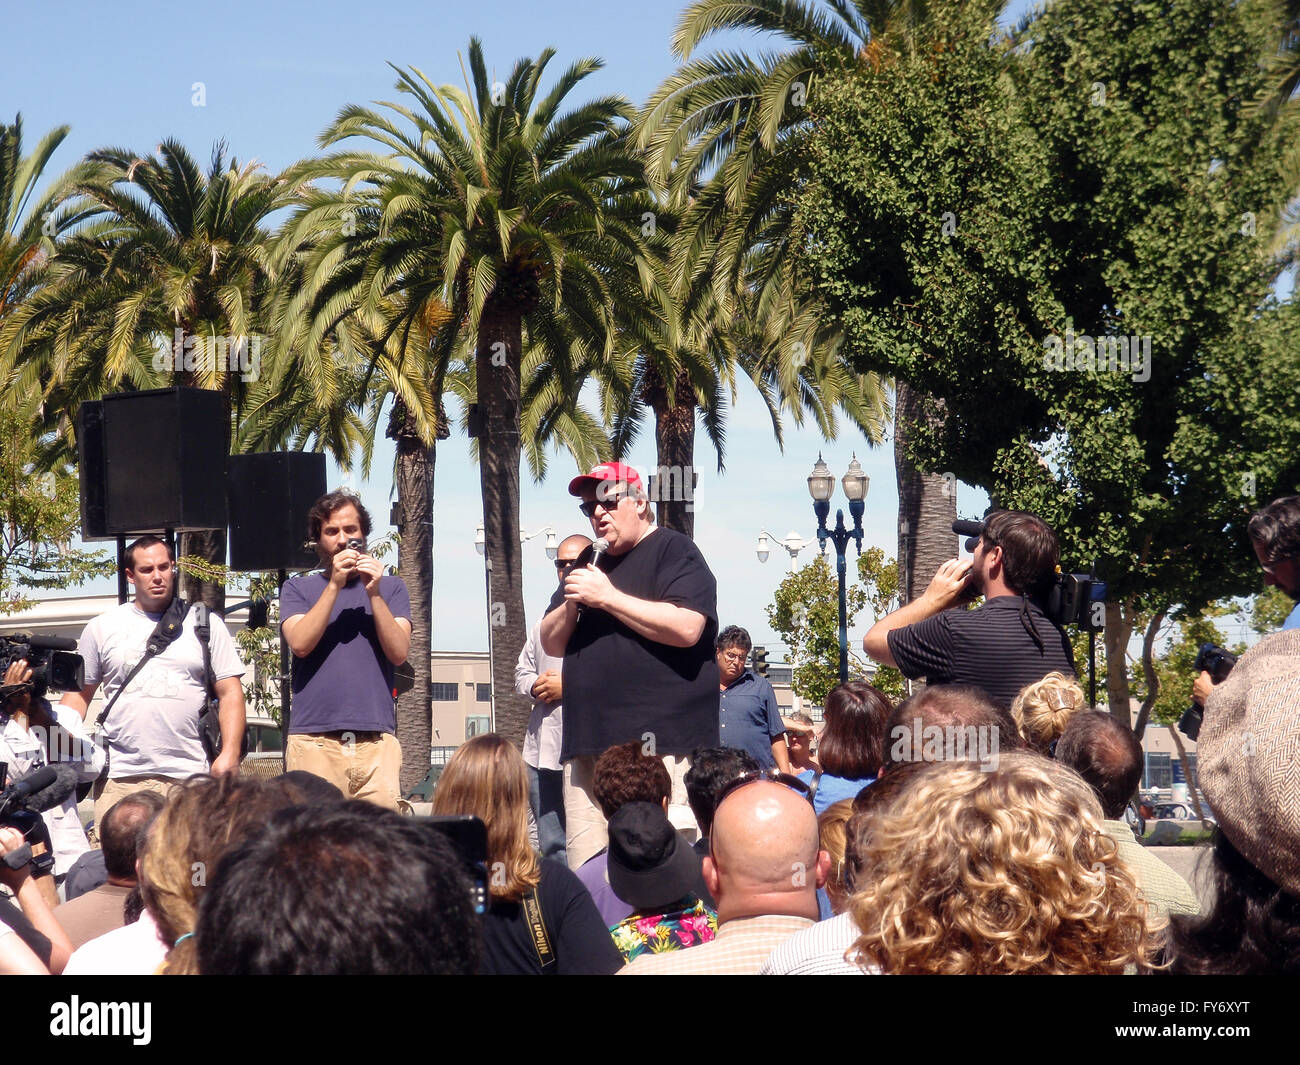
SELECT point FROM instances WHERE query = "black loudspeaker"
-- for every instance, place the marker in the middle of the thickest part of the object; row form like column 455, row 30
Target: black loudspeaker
column 90, row 471
column 152, row 461
column 270, row 494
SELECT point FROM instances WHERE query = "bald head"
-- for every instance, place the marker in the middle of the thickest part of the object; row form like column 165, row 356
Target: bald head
column 573, row 546
column 765, row 857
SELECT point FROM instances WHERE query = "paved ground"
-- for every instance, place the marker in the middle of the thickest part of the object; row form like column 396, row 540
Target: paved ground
column 1193, row 865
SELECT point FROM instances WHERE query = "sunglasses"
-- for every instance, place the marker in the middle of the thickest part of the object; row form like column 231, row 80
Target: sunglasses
column 610, row 505
column 774, row 775
column 565, row 563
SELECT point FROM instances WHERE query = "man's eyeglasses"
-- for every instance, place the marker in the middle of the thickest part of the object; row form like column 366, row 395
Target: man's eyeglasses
column 735, row 656
column 565, row 563
column 610, row 505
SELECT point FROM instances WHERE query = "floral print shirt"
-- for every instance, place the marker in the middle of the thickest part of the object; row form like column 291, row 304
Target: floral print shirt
column 683, row 926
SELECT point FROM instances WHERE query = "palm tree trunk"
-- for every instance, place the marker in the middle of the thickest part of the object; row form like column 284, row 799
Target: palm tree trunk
column 497, row 367
column 675, row 454
column 415, row 467
column 209, row 545
column 927, row 505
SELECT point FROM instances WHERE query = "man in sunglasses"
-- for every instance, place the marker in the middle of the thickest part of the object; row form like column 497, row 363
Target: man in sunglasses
column 537, row 675
column 636, row 628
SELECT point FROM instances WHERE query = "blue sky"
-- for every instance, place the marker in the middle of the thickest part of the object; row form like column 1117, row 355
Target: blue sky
column 268, row 77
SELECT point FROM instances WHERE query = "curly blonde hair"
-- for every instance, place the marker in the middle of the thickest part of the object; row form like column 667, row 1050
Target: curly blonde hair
column 1043, row 709
column 1008, row 871
column 486, row 777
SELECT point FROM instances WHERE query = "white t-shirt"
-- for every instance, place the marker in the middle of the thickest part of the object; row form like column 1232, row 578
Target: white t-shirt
column 153, row 729
column 132, row 950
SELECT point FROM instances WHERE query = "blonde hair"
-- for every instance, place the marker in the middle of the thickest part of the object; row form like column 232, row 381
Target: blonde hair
column 1010, row 871
column 204, row 818
column 1044, row 708
column 832, row 832
column 486, row 777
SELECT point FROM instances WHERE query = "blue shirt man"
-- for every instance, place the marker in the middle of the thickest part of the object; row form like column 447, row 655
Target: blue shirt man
column 748, row 716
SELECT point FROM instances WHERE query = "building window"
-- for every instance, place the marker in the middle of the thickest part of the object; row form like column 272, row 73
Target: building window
column 1160, row 772
column 445, row 693
column 440, row 755
column 477, row 725
column 483, row 693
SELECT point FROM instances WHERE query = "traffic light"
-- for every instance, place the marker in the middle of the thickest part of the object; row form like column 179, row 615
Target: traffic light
column 760, row 661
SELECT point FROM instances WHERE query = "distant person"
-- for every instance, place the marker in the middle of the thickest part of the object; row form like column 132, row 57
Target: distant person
column 749, row 716
column 1106, row 753
column 339, row 889
column 800, row 733
column 764, row 871
column 851, row 747
column 539, row 676
column 541, row 920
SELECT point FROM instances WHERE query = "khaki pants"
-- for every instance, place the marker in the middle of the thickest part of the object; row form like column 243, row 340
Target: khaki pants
column 362, row 765
column 108, row 792
column 586, row 830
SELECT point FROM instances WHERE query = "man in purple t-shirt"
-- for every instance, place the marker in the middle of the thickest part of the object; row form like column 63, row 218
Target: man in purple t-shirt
column 347, row 626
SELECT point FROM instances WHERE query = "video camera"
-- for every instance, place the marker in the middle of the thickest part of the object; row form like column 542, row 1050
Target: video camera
column 53, row 660
column 21, row 806
column 1218, row 664
column 1072, row 595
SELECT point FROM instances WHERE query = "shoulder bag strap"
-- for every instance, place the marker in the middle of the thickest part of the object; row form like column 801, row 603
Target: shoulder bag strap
column 532, row 905
column 168, row 628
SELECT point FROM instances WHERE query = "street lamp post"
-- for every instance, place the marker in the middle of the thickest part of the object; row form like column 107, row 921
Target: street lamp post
column 480, row 545
column 821, row 486
column 793, row 544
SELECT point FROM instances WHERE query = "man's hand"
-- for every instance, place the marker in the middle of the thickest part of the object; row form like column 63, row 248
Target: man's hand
column 226, row 762
column 345, row 563
column 10, row 840
column 548, row 687
column 948, row 586
column 589, row 586
column 370, row 570
column 18, row 673
column 1202, row 687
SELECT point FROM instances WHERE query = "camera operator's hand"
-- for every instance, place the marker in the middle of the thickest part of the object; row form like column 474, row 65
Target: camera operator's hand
column 1202, row 687
column 18, row 673
column 948, row 587
column 10, row 840
column 370, row 570
column 344, row 567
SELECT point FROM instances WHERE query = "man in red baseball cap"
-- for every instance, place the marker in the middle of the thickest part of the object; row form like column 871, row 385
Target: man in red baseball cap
column 635, row 624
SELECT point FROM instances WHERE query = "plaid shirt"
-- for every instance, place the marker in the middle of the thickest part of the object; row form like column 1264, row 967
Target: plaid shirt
column 740, row 949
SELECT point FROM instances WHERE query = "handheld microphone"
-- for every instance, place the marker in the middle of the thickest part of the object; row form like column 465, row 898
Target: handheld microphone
column 598, row 549
column 18, row 794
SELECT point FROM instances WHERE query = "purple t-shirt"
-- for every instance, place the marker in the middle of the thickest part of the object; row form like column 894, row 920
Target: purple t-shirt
column 346, row 683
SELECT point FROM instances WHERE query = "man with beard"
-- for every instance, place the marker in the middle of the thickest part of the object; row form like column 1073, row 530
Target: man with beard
column 347, row 625
column 1002, row 645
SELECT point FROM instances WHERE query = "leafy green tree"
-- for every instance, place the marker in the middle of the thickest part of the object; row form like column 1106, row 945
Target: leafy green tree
column 974, row 200
column 805, row 613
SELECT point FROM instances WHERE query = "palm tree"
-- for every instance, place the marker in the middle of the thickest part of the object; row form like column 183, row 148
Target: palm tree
column 165, row 253
column 727, row 137
column 512, row 218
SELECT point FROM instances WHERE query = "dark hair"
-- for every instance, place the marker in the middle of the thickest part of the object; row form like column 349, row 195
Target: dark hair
column 1276, row 529
column 123, row 829
column 949, row 707
column 143, row 543
column 853, row 736
column 712, row 769
column 1030, row 552
column 328, row 504
column 1104, row 751
column 733, row 636
column 626, row 774
column 341, row 888
column 1253, row 926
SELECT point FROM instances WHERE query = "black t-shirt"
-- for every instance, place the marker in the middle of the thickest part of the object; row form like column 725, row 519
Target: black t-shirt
column 988, row 646
column 578, row 937
column 620, row 685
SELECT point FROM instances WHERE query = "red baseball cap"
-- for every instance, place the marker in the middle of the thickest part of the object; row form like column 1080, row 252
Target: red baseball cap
column 605, row 473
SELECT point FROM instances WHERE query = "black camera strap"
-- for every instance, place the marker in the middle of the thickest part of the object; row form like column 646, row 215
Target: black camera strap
column 163, row 636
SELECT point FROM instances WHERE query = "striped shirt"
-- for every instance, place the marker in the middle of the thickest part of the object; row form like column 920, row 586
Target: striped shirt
column 741, row 947
column 818, row 951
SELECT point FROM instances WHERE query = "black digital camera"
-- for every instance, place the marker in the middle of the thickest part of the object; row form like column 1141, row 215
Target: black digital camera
column 1218, row 664
column 54, row 661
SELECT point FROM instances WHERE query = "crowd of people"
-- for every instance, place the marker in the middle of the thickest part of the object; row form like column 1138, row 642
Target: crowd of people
column 662, row 816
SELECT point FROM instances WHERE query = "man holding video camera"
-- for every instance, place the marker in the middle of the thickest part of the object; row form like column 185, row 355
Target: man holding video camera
column 348, row 625
column 1002, row 645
